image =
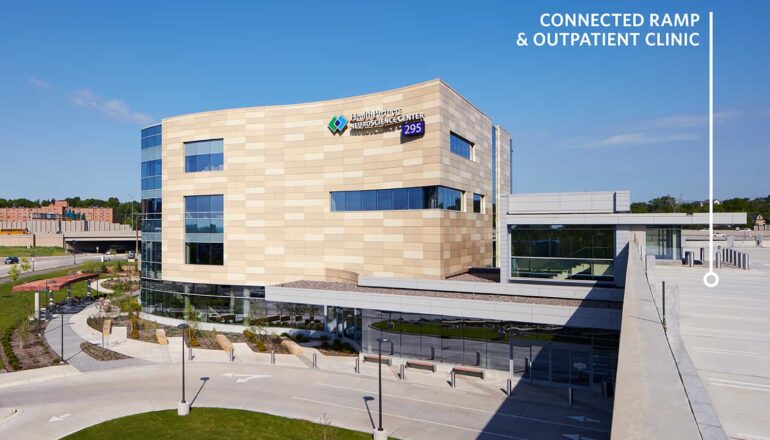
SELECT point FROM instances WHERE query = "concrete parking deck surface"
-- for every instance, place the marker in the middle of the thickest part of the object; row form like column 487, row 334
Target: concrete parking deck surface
column 726, row 331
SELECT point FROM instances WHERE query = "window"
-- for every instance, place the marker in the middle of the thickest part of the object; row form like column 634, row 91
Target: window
column 204, row 229
column 211, row 254
column 478, row 203
column 427, row 197
column 204, row 156
column 563, row 252
column 460, row 146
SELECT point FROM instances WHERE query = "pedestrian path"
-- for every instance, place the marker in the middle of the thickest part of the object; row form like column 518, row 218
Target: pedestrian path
column 73, row 355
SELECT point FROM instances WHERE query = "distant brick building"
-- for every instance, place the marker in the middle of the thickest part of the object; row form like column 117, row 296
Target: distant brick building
column 60, row 209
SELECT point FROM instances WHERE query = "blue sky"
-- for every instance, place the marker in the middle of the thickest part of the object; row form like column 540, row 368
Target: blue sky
column 79, row 79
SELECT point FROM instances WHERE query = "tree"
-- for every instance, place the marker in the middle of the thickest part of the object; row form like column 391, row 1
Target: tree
column 257, row 321
column 191, row 319
column 25, row 264
column 13, row 272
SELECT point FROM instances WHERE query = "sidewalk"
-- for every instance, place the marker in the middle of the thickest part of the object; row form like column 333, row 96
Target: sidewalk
column 72, row 340
column 152, row 353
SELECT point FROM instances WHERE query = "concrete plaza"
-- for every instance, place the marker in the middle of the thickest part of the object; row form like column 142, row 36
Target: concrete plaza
column 55, row 401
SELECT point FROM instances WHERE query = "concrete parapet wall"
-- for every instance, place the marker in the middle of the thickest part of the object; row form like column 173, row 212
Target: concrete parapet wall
column 504, row 311
column 650, row 399
column 517, row 289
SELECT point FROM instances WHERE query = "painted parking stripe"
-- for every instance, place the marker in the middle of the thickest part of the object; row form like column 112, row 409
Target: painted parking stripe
column 323, row 403
column 730, row 352
column 464, row 408
column 741, row 385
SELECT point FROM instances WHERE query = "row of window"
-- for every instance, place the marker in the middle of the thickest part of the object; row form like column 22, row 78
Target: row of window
column 425, row 197
column 203, row 229
column 149, row 183
column 151, row 136
column 205, row 155
column 152, row 168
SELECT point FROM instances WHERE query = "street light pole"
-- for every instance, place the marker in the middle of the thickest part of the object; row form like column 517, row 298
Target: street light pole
column 380, row 434
column 183, row 408
column 62, row 334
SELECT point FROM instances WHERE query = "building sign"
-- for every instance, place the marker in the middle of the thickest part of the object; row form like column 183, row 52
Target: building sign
column 380, row 121
column 338, row 124
column 413, row 128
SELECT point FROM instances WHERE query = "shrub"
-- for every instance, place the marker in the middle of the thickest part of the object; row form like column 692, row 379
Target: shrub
column 134, row 326
column 250, row 336
column 13, row 361
column 337, row 344
column 325, row 345
column 347, row 348
column 261, row 345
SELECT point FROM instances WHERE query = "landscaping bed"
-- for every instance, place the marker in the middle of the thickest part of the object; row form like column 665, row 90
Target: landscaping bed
column 335, row 347
column 101, row 353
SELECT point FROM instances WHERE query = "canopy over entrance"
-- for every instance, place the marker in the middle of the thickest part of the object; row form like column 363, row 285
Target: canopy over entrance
column 57, row 283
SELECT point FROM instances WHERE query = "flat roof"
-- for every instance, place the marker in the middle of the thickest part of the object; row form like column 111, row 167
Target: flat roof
column 352, row 287
column 677, row 218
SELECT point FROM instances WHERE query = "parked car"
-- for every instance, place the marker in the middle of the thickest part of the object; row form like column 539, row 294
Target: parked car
column 131, row 255
column 11, row 260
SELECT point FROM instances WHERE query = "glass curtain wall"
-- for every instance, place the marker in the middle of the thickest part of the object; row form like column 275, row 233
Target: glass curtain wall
column 563, row 252
column 226, row 304
column 152, row 204
column 570, row 356
column 664, row 242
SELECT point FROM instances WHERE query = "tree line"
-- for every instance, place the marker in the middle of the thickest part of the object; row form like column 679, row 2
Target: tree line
column 759, row 205
column 122, row 210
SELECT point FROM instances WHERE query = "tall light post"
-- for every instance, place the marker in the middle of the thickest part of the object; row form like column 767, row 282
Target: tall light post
column 183, row 408
column 380, row 434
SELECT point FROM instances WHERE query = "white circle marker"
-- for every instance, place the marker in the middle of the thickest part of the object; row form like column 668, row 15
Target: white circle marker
column 711, row 279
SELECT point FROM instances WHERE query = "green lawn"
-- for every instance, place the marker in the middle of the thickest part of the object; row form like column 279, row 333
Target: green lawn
column 23, row 251
column 214, row 423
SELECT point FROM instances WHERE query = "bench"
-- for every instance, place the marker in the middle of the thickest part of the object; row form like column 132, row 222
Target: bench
column 424, row 365
column 160, row 335
column 467, row 371
column 227, row 346
column 376, row 359
column 107, row 327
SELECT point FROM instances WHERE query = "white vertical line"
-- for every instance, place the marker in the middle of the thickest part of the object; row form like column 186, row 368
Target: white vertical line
column 711, row 141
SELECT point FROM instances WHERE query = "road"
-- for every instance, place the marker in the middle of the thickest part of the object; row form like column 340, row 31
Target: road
column 42, row 263
column 411, row 410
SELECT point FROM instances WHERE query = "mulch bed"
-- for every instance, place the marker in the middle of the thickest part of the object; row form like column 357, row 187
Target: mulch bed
column 100, row 353
column 36, row 353
column 206, row 339
column 338, row 353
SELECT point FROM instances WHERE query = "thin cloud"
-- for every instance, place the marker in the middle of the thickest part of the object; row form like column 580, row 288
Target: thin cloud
column 115, row 109
column 642, row 138
column 691, row 121
column 39, row 83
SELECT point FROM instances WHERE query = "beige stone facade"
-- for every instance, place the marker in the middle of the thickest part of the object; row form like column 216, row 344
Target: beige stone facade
column 282, row 162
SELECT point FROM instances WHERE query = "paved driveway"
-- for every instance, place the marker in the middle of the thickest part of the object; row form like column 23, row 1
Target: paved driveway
column 412, row 410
